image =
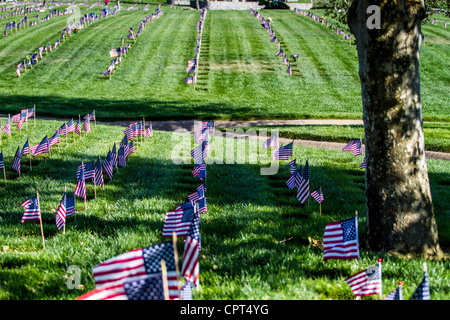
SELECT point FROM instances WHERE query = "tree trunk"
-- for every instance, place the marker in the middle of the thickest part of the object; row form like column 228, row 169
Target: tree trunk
column 400, row 215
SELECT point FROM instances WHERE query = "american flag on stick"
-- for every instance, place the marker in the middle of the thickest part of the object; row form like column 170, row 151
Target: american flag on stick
column 318, row 195
column 98, row 173
column 283, row 153
column 114, row 158
column 136, row 265
column 80, row 189
column 340, row 240
column 108, row 165
column 54, row 139
column 43, row 147
column 7, row 127
column 16, row 161
column 87, row 125
column 60, row 219
column 150, row 287
column 199, row 171
column 25, row 149
column 32, row 211
column 190, row 267
column 353, row 146
column 88, row 169
column 423, row 290
column 366, row 282
column 179, row 221
column 148, row 132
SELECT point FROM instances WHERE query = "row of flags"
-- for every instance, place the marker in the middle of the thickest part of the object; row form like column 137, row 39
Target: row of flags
column 118, row 53
column 151, row 273
column 46, row 143
column 66, row 32
column 355, row 146
column 280, row 53
column 192, row 66
column 23, row 22
column 19, row 118
column 324, row 22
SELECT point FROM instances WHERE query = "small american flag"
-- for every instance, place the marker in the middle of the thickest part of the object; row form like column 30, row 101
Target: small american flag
column 283, row 153
column 195, row 196
column 202, row 207
column 150, row 287
column 54, row 139
column 188, row 80
column 129, row 133
column 303, row 190
column 122, row 157
column 19, row 125
column 89, row 170
column 2, row 164
column 99, row 173
column 62, row 131
column 16, row 162
column 363, row 164
column 179, row 221
column 186, row 291
column 199, row 171
column 340, row 240
column 108, row 166
column 80, row 189
column 70, row 126
column 87, row 125
column 190, row 267
column 25, row 149
column 423, row 290
column 90, row 116
column 396, row 294
column 318, row 195
column 7, row 127
column 292, row 165
column 148, row 132
column 366, row 282
column 200, row 152
column 32, row 211
column 294, row 180
column 114, row 156
column 61, row 213
column 78, row 128
column 70, row 205
column 136, row 265
column 354, row 146
column 130, row 148
column 273, row 141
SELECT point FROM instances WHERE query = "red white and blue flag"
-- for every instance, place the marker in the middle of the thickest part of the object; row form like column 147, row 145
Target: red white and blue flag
column 366, row 282
column 354, row 146
column 340, row 240
column 32, row 211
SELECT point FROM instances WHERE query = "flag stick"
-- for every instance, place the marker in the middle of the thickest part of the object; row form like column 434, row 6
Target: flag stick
column 95, row 120
column 64, row 227
column 164, row 279
column 175, row 252
column 95, row 187
column 40, row 219
column 381, row 278
column 73, row 132
column 81, row 129
column 29, row 155
column 82, row 166
column 4, row 172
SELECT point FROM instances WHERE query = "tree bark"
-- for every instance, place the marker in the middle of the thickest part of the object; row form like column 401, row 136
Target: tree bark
column 400, row 216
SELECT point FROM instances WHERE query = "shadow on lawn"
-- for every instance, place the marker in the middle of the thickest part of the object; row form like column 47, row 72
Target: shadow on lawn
column 126, row 109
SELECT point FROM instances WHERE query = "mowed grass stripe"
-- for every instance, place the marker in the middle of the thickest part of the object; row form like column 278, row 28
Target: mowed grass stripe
column 85, row 55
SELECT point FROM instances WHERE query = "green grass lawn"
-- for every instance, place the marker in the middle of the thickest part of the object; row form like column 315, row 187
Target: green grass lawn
column 240, row 77
column 437, row 135
column 257, row 241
